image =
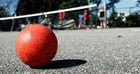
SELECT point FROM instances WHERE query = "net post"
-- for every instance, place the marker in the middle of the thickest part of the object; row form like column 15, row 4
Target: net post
column 105, row 13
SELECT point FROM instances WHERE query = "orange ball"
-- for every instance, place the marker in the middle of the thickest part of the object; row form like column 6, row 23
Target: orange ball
column 36, row 45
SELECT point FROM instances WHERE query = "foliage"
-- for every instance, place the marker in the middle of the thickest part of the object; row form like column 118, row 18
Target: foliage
column 3, row 12
column 138, row 3
column 133, row 20
column 114, row 21
column 36, row 6
column 97, row 2
column 5, row 25
column 111, row 3
column 4, row 8
column 72, row 3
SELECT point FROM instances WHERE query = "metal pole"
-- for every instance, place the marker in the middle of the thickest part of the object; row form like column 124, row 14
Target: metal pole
column 105, row 13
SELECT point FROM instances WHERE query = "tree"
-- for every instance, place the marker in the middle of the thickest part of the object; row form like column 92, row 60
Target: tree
column 111, row 3
column 115, row 21
column 36, row 6
column 138, row 3
column 72, row 3
column 4, row 12
column 133, row 20
column 4, row 8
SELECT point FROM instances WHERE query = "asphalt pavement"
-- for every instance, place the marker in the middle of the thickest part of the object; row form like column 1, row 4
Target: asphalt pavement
column 93, row 51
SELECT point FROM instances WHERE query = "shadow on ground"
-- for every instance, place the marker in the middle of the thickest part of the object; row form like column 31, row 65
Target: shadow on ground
column 66, row 63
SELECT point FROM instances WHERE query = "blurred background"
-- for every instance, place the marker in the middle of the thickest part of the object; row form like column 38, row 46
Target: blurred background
column 118, row 13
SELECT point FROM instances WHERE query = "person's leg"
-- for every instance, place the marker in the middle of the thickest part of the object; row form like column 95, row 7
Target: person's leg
column 84, row 22
column 79, row 25
column 104, row 25
column 101, row 24
column 87, row 26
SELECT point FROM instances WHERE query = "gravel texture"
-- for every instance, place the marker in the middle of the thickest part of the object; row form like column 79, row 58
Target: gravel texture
column 94, row 51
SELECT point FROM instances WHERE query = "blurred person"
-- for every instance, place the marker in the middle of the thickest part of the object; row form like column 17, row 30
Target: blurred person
column 102, row 17
column 80, row 20
column 85, row 17
column 61, row 17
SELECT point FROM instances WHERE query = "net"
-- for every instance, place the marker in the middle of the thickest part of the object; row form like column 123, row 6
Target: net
column 70, row 18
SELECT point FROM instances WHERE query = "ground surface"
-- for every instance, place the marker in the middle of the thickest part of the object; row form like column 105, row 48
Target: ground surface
column 95, row 51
